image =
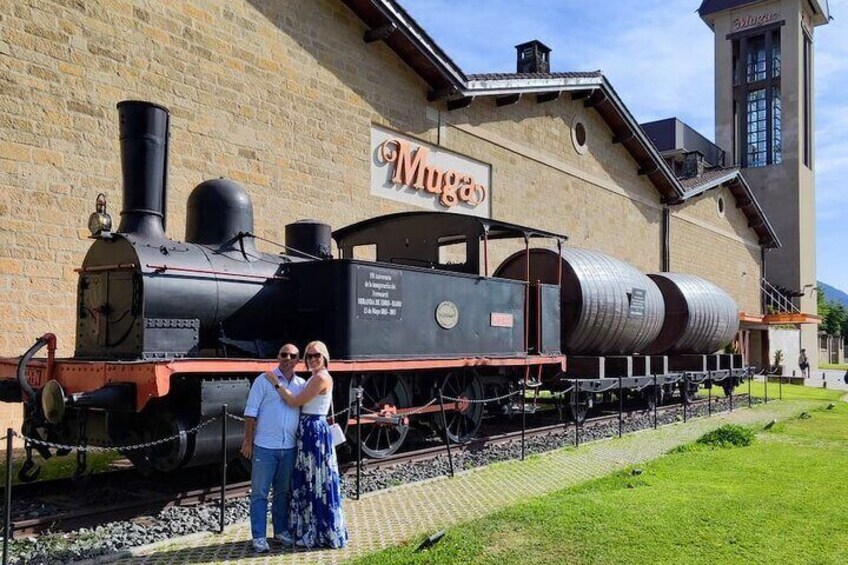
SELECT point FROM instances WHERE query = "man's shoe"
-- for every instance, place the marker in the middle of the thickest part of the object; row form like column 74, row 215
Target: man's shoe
column 284, row 538
column 260, row 545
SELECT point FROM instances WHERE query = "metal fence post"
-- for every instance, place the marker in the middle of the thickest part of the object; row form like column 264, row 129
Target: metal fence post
column 523, row 413
column 732, row 392
column 358, row 441
column 710, row 398
column 685, row 391
column 620, row 408
column 750, row 378
column 223, row 467
column 656, row 401
column 765, row 386
column 575, row 409
column 7, row 521
column 445, row 427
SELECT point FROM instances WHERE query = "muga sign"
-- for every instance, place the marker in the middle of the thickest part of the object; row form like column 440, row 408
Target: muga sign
column 413, row 172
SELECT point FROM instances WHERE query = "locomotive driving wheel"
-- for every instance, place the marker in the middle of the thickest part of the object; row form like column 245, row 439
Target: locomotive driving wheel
column 382, row 393
column 164, row 456
column 463, row 416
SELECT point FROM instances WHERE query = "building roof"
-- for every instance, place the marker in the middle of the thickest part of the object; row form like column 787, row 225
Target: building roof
column 732, row 178
column 820, row 8
column 672, row 136
column 389, row 22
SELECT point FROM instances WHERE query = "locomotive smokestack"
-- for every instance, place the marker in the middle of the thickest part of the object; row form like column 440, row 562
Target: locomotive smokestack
column 144, row 162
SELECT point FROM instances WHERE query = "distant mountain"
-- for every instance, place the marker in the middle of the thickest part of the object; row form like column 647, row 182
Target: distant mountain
column 834, row 294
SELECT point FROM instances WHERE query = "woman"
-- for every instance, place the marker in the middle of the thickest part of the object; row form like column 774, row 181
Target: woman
column 316, row 518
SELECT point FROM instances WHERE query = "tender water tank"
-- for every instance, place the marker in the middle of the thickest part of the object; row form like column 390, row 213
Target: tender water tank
column 700, row 317
column 608, row 306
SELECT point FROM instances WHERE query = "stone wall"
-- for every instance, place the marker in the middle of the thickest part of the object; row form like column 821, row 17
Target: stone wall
column 279, row 96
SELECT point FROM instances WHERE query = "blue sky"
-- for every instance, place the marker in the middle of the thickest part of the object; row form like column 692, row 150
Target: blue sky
column 658, row 55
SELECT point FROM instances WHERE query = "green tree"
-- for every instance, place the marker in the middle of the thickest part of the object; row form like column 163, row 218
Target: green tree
column 821, row 302
column 835, row 320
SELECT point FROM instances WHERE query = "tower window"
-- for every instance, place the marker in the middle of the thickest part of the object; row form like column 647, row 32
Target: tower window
column 756, row 80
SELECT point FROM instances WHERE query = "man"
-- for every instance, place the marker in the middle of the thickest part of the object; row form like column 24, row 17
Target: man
column 269, row 442
column 804, row 364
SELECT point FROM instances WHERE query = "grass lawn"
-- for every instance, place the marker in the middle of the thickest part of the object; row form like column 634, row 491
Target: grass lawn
column 783, row 499
column 790, row 392
column 834, row 366
column 59, row 467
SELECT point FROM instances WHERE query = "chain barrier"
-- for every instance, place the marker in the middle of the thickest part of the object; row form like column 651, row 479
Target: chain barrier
column 562, row 393
column 235, row 417
column 419, row 410
column 483, row 400
column 103, row 448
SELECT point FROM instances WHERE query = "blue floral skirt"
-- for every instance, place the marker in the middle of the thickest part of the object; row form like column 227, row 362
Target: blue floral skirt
column 316, row 517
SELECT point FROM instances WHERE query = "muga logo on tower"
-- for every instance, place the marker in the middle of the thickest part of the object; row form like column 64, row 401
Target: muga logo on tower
column 409, row 171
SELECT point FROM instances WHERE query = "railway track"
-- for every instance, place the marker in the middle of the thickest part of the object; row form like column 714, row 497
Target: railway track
column 142, row 496
column 349, row 468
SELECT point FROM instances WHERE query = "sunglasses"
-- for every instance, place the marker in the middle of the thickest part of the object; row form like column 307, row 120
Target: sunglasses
column 288, row 355
column 312, row 356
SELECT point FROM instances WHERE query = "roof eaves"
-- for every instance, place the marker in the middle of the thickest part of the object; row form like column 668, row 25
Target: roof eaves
column 649, row 146
column 407, row 25
column 775, row 241
column 734, row 175
column 710, row 184
column 497, row 87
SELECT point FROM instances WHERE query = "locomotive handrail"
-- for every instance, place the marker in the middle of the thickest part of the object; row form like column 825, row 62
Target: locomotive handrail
column 165, row 268
column 47, row 339
column 99, row 268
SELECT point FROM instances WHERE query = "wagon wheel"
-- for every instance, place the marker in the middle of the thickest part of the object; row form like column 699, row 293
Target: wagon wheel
column 579, row 404
column 378, row 392
column 464, row 421
column 689, row 390
column 651, row 400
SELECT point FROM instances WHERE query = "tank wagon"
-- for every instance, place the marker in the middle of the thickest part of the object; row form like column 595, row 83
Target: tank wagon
column 168, row 331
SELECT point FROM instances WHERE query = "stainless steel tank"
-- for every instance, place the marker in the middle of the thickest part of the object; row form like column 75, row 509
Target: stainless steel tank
column 608, row 306
column 700, row 317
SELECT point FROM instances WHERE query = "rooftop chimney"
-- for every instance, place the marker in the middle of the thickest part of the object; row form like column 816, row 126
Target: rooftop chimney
column 533, row 57
column 693, row 164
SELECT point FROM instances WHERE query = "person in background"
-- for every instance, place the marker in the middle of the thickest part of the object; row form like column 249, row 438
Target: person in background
column 316, row 517
column 804, row 364
column 269, row 442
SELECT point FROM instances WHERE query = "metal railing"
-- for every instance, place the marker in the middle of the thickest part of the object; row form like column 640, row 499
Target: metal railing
column 776, row 300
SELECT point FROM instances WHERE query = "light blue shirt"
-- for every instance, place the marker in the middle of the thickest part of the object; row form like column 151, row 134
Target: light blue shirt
column 276, row 421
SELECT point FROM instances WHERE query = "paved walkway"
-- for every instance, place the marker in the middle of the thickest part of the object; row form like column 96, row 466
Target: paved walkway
column 834, row 379
column 391, row 517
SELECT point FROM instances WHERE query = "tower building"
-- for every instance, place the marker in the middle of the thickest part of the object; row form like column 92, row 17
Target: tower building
column 764, row 120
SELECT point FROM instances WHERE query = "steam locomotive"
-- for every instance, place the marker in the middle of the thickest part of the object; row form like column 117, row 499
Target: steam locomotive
column 169, row 331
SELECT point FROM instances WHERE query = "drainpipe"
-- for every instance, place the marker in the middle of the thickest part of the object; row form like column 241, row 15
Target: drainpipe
column 666, row 239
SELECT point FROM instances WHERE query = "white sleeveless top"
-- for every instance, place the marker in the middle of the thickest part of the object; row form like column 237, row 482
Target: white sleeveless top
column 319, row 405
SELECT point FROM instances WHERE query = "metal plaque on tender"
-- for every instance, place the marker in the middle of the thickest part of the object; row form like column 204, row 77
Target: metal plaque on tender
column 379, row 294
column 501, row 320
column 637, row 303
column 447, row 314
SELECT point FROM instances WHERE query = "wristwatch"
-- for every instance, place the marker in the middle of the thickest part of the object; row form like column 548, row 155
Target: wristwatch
column 278, row 386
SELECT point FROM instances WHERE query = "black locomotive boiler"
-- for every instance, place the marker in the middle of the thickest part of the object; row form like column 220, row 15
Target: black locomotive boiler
column 168, row 331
